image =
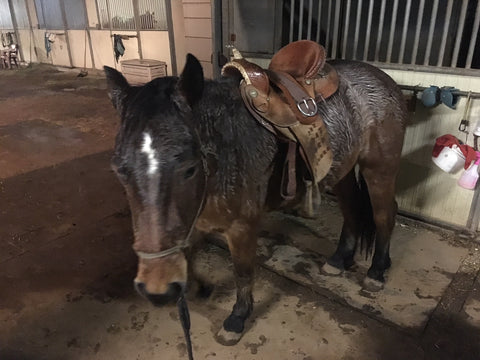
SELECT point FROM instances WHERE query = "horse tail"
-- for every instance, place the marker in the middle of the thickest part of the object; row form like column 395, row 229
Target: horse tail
column 368, row 227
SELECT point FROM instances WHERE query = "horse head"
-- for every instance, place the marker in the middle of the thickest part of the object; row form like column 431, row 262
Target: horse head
column 158, row 160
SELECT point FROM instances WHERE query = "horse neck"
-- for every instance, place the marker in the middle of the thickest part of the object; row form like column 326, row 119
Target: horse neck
column 242, row 149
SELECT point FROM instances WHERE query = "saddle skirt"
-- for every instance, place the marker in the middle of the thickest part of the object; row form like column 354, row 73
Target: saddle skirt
column 284, row 98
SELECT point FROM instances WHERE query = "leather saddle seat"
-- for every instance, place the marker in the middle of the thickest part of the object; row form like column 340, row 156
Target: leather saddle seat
column 298, row 73
column 305, row 61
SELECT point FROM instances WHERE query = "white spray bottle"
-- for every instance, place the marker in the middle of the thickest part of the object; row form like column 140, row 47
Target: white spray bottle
column 469, row 178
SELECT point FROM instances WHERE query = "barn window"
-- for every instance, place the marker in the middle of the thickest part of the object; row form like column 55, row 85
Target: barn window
column 116, row 14
column 422, row 35
column 49, row 14
column 122, row 14
column 152, row 15
column 75, row 14
column 253, row 25
column 5, row 18
column 21, row 15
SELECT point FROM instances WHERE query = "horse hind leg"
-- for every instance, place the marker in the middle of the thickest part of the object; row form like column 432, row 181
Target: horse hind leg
column 350, row 202
column 242, row 243
column 381, row 187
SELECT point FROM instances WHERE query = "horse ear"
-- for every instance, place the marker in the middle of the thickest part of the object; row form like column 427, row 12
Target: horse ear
column 117, row 86
column 191, row 80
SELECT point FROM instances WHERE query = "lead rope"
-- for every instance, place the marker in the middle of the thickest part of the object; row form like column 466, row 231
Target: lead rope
column 185, row 320
column 202, row 203
column 183, row 312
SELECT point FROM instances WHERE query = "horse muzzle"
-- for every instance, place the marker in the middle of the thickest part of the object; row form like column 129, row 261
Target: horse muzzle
column 174, row 291
column 162, row 280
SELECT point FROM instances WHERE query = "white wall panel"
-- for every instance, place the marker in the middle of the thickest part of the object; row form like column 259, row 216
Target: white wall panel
column 423, row 189
column 102, row 45
column 155, row 45
column 198, row 32
column 80, row 49
column 28, row 45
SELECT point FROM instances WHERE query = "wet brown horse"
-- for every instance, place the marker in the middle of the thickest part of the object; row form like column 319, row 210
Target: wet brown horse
column 192, row 159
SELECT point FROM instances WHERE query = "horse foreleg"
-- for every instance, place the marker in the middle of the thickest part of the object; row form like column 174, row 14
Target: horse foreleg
column 197, row 286
column 382, row 196
column 348, row 197
column 242, row 242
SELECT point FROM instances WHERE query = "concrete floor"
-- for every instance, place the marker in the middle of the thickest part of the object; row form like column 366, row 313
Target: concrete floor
column 66, row 264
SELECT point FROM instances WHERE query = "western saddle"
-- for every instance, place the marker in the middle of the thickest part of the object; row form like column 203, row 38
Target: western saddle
column 284, row 98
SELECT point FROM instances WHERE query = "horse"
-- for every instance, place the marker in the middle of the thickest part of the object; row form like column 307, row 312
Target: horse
column 194, row 161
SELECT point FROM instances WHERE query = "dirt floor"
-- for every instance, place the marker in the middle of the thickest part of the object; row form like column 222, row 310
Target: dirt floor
column 66, row 264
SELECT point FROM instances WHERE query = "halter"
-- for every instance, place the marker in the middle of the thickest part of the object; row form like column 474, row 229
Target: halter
column 178, row 248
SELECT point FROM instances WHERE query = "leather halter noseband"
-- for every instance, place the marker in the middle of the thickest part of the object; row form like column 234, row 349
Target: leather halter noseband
column 178, row 248
column 163, row 253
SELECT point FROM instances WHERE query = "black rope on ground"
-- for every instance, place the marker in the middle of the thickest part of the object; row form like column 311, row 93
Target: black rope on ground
column 185, row 320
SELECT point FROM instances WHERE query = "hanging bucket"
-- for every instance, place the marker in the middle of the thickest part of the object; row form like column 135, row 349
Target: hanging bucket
column 450, row 159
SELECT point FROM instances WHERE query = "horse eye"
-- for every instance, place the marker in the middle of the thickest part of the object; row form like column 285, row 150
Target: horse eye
column 122, row 172
column 189, row 172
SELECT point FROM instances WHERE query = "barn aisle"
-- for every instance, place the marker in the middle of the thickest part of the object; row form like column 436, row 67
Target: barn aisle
column 66, row 264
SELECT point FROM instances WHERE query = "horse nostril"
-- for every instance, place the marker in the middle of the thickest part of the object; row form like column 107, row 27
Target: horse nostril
column 140, row 287
column 174, row 292
column 178, row 286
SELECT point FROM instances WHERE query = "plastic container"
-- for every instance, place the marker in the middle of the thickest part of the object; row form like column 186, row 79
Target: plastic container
column 139, row 72
column 450, row 159
column 469, row 178
column 476, row 130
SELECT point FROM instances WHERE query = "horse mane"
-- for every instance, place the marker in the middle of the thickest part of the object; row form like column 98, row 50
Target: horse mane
column 242, row 149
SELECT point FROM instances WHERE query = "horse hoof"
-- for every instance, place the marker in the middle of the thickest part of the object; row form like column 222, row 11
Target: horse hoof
column 228, row 338
column 331, row 270
column 372, row 285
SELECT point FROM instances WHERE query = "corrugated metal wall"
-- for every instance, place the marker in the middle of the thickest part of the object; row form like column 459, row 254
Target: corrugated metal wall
column 5, row 18
column 20, row 10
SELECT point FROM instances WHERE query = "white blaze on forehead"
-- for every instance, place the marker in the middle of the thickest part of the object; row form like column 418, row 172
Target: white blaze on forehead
column 151, row 154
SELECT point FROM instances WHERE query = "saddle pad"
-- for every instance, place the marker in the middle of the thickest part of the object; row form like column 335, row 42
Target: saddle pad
column 314, row 143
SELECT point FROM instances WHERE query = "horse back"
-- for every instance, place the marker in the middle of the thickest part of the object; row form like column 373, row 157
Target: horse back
column 365, row 119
